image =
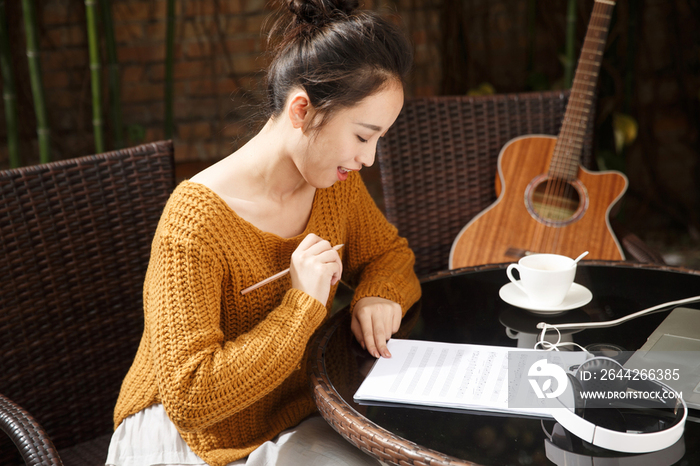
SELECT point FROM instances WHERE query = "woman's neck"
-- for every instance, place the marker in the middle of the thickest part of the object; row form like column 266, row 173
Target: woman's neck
column 262, row 168
column 262, row 184
column 268, row 158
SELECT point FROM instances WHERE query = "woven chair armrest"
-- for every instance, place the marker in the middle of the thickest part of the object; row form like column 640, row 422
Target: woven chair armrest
column 29, row 437
column 639, row 250
column 635, row 248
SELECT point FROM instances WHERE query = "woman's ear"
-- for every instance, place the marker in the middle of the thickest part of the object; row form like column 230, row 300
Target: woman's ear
column 299, row 110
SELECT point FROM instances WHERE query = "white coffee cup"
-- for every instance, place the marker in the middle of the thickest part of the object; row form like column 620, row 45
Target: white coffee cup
column 544, row 278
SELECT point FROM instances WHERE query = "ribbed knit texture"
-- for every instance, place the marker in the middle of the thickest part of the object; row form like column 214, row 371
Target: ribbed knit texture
column 230, row 368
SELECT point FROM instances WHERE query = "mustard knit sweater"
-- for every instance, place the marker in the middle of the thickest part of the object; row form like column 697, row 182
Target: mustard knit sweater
column 230, row 369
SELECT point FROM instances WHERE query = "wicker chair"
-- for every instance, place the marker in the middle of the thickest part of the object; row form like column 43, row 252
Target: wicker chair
column 76, row 237
column 438, row 164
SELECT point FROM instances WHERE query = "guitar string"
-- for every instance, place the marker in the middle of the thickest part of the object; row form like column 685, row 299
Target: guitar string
column 568, row 147
column 548, row 202
column 560, row 191
column 600, row 19
column 562, row 188
column 540, row 228
column 551, row 200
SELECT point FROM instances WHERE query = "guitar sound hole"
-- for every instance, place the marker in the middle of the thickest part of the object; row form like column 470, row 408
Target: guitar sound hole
column 554, row 201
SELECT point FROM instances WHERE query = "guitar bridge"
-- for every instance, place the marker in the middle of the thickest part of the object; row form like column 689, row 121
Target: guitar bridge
column 517, row 253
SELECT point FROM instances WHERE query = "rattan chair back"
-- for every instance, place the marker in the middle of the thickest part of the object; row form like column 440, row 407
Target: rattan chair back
column 438, row 162
column 75, row 239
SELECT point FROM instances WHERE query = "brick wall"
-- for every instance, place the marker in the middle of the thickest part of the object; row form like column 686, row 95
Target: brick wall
column 651, row 73
column 219, row 58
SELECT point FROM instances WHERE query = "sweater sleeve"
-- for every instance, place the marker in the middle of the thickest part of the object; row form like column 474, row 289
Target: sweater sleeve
column 379, row 261
column 203, row 379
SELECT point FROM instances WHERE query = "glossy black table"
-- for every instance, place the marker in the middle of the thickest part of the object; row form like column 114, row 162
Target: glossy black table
column 463, row 306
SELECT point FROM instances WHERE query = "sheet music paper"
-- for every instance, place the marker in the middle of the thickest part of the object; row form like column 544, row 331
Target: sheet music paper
column 450, row 375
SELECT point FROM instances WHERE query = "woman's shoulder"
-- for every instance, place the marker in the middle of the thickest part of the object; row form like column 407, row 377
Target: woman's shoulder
column 196, row 199
column 194, row 210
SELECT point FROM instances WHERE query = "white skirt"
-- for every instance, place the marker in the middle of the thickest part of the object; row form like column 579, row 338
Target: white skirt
column 149, row 438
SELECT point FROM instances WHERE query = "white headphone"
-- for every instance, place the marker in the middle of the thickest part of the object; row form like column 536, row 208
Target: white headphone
column 630, row 441
column 560, row 449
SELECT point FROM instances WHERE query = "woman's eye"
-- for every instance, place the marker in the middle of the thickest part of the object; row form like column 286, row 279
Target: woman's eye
column 361, row 139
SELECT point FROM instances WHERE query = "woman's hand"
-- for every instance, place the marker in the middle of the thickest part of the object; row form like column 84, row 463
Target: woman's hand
column 374, row 321
column 315, row 267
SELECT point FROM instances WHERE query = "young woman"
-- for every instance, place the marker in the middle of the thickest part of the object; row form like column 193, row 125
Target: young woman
column 220, row 376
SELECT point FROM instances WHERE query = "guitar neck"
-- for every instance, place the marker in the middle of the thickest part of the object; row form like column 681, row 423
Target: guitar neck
column 567, row 152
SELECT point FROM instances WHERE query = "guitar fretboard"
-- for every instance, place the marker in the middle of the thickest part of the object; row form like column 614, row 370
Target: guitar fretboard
column 567, row 151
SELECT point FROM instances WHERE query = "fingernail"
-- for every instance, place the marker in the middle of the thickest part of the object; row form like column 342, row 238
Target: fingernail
column 386, row 354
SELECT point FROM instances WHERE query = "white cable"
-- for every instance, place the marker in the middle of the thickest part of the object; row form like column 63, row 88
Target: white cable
column 549, row 346
column 611, row 323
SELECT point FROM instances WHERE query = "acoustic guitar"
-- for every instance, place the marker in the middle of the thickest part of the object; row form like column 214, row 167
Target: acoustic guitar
column 546, row 201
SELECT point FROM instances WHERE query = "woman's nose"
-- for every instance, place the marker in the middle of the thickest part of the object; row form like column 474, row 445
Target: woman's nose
column 366, row 158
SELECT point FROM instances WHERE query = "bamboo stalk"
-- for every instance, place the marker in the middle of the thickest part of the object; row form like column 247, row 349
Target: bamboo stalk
column 95, row 68
column 115, row 105
column 169, row 58
column 42, row 124
column 9, row 92
column 569, row 61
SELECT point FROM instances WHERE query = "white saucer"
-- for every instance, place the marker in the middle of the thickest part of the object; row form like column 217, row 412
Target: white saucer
column 577, row 296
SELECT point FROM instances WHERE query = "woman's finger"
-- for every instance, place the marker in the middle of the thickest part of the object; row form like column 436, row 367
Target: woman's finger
column 367, row 331
column 381, row 336
column 331, row 257
column 374, row 321
column 319, row 247
column 356, row 330
column 308, row 241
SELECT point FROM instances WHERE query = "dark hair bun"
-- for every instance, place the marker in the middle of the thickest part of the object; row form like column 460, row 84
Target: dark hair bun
column 320, row 12
column 336, row 54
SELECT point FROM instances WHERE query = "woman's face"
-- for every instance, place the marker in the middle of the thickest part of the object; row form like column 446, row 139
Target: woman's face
column 348, row 140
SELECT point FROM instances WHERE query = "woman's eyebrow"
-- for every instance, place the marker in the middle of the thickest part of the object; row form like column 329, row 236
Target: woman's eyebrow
column 369, row 126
